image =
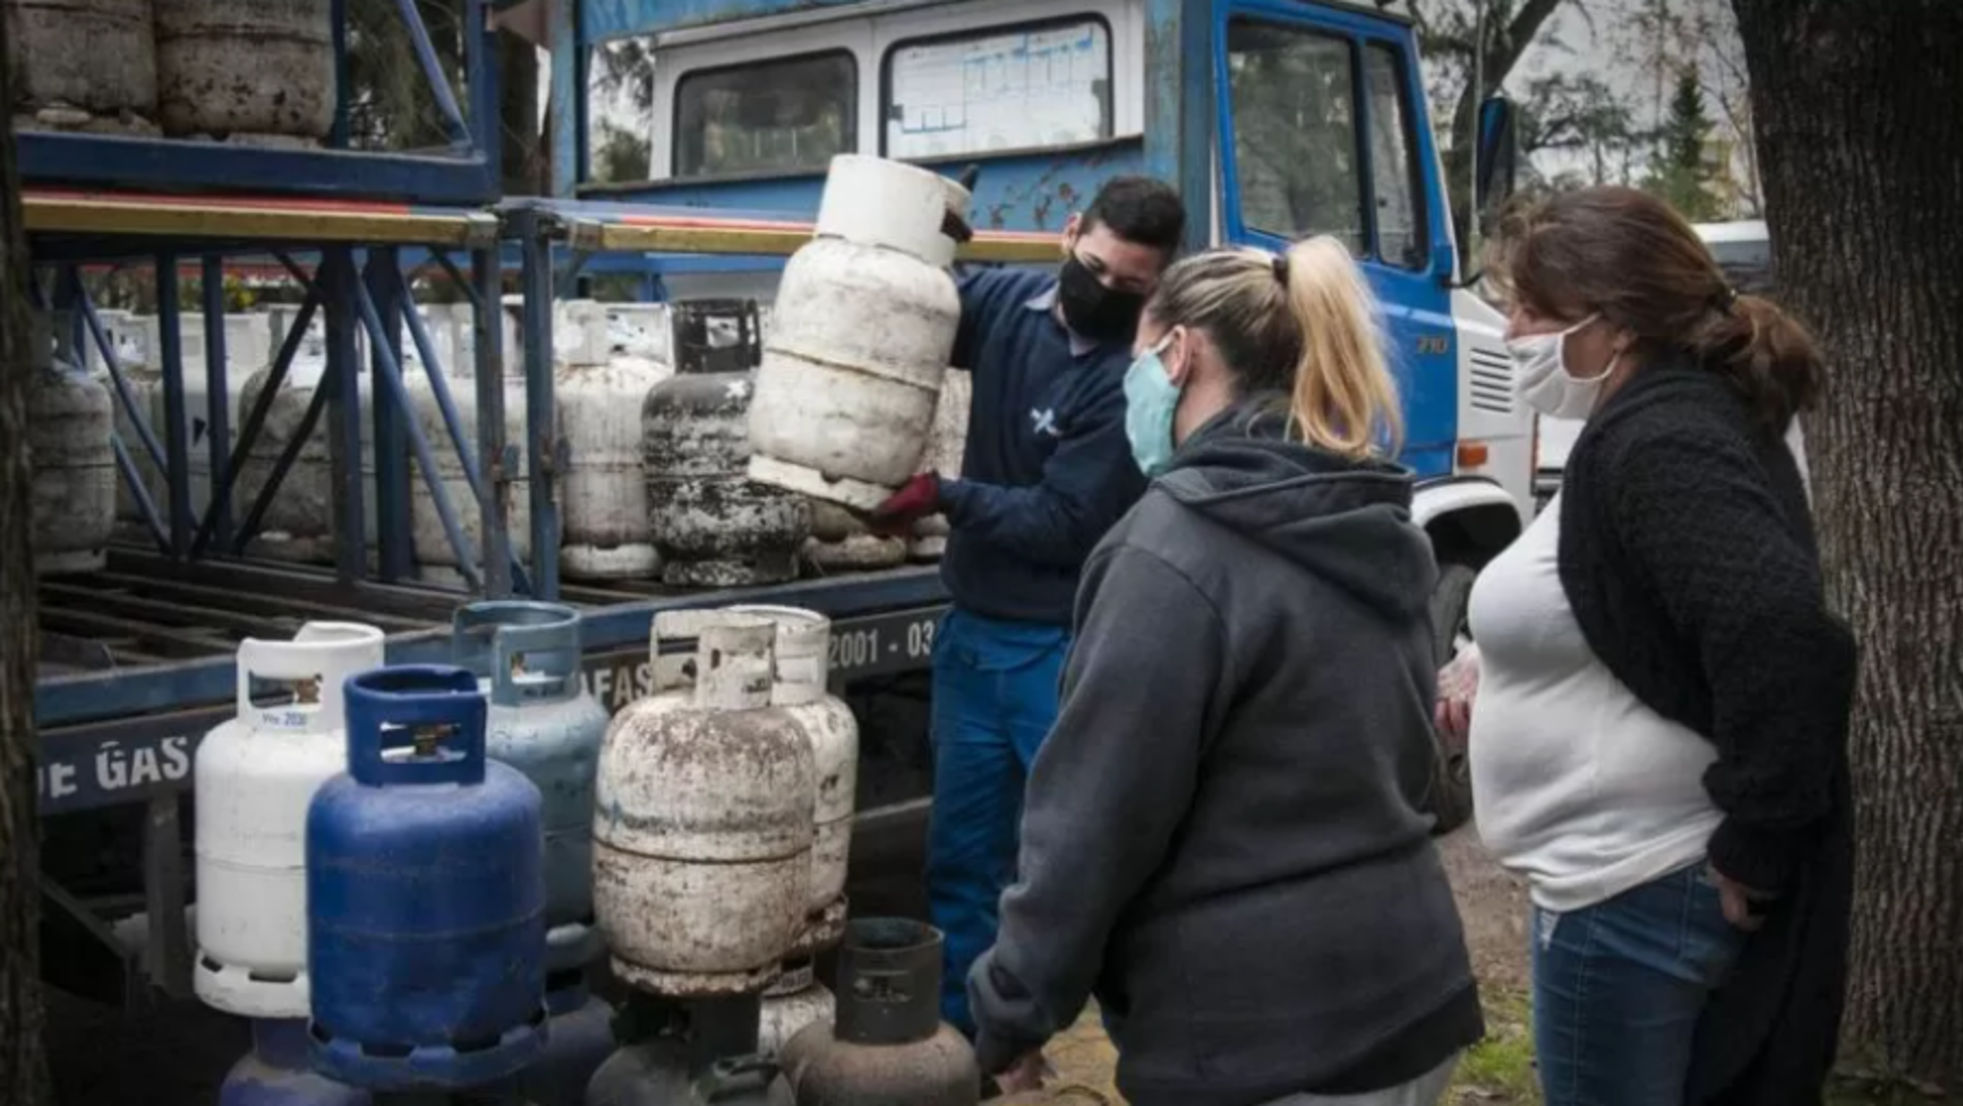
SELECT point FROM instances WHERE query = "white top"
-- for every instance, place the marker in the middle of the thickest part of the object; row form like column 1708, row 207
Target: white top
column 1577, row 785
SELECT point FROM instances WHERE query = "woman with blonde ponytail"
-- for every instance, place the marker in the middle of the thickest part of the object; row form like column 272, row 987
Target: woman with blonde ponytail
column 1223, row 839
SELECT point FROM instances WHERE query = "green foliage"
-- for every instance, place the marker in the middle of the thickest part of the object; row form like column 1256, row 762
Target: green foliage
column 620, row 155
column 1682, row 171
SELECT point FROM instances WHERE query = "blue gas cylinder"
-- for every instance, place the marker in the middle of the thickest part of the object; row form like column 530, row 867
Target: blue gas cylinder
column 276, row 1072
column 582, row 1040
column 425, row 894
column 545, row 724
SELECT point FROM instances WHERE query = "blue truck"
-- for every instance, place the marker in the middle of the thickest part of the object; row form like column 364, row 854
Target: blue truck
column 1277, row 119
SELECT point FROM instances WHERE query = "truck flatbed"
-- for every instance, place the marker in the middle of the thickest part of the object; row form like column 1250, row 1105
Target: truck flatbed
column 138, row 659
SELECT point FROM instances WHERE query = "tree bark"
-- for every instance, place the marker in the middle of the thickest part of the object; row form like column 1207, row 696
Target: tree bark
column 23, row 1069
column 1862, row 155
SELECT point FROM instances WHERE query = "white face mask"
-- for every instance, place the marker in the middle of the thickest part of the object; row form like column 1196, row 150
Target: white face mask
column 1546, row 383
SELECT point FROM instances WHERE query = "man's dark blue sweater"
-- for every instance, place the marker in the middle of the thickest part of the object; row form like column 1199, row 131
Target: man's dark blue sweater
column 1048, row 468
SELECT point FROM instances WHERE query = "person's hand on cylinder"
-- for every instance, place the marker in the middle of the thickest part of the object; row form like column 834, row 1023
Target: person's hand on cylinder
column 916, row 499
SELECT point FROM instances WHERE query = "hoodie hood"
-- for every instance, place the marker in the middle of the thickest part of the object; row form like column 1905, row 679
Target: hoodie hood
column 1346, row 520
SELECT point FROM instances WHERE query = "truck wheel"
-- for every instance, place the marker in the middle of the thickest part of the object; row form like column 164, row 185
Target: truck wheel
column 1450, row 800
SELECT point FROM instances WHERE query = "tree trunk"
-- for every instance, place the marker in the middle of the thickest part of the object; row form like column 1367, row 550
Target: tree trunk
column 23, row 1070
column 1866, row 209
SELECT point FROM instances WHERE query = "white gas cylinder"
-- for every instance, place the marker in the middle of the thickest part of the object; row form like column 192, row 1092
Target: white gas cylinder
column 841, row 542
column 435, row 558
column 712, row 525
column 72, row 487
column 863, row 326
column 799, row 684
column 300, row 523
column 80, row 63
column 601, row 380
column 254, row 777
column 256, row 67
column 796, row 1000
column 702, row 826
column 140, row 354
column 945, row 449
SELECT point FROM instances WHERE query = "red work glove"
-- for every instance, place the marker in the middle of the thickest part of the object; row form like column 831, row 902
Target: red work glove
column 916, row 499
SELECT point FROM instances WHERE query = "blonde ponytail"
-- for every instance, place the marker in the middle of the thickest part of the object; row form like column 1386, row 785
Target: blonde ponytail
column 1344, row 399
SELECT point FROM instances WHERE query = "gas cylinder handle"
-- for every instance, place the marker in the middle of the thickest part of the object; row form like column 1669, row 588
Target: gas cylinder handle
column 742, row 1078
column 435, row 710
column 534, row 653
column 326, row 652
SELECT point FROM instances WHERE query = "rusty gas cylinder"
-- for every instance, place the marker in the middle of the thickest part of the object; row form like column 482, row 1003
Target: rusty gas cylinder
column 887, row 1046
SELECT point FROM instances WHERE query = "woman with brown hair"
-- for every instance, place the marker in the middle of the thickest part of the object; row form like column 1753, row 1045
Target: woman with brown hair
column 1659, row 727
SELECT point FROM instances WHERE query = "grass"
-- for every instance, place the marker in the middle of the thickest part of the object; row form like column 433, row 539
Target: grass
column 1500, row 1069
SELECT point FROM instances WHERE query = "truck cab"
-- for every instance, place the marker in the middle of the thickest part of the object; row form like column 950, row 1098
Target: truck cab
column 1277, row 120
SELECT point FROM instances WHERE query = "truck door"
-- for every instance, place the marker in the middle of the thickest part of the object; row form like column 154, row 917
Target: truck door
column 1328, row 136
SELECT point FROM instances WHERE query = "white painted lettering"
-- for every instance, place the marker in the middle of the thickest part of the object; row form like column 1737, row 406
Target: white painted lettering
column 143, row 767
column 177, row 758
column 111, row 767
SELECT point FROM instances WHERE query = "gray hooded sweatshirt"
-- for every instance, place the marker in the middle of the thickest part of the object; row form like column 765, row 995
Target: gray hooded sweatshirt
column 1222, row 837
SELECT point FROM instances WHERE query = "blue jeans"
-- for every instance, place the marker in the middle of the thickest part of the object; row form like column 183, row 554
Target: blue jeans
column 1618, row 988
column 995, row 699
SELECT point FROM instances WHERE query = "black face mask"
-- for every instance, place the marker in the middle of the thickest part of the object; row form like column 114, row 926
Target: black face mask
column 1091, row 309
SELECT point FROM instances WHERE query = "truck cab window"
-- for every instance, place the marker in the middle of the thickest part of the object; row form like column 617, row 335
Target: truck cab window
column 781, row 116
column 1393, row 168
column 1013, row 88
column 1295, row 132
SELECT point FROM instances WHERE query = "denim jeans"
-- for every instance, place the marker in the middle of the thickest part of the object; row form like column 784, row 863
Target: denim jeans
column 995, row 699
column 1618, row 988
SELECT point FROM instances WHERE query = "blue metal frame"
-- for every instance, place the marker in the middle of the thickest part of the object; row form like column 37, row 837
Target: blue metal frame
column 349, row 300
column 469, row 174
column 102, row 699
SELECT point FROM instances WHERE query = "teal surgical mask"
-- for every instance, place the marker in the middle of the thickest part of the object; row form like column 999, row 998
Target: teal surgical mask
column 1151, row 400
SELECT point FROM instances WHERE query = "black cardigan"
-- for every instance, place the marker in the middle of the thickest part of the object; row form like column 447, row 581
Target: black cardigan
column 1687, row 553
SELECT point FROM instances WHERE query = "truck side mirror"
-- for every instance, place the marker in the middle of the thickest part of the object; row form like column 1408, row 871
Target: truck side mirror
column 1497, row 154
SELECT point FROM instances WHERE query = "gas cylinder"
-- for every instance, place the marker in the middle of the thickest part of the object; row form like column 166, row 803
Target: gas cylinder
column 693, row 1053
column 425, row 894
column 796, row 1000
column 276, row 1072
column 603, row 496
column 841, row 542
column 300, row 523
column 865, row 321
column 252, row 67
column 888, row 1046
column 544, row 723
column 247, row 346
column 436, row 559
column 580, row 1041
column 945, row 450
column 713, row 526
column 799, row 684
column 77, row 62
column 702, row 827
column 70, row 423
column 254, row 777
